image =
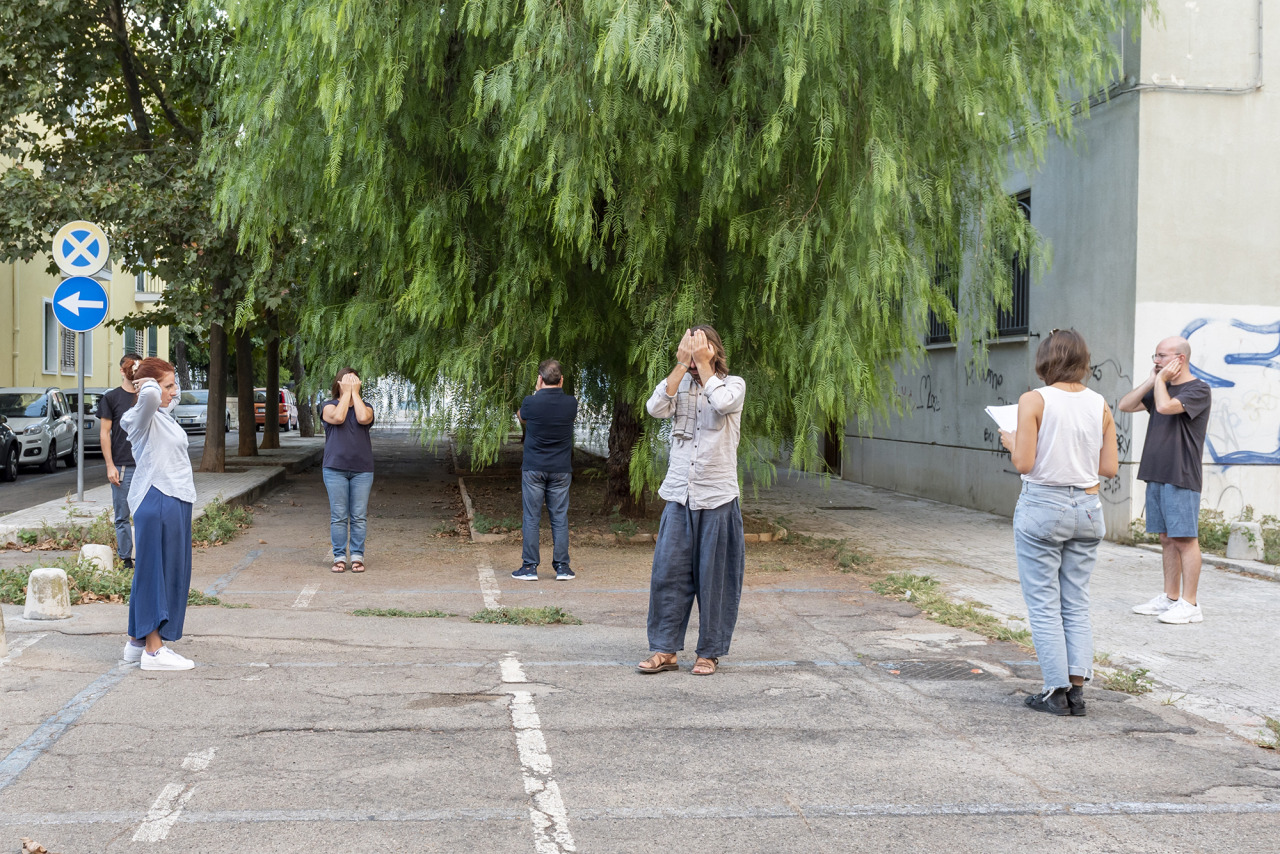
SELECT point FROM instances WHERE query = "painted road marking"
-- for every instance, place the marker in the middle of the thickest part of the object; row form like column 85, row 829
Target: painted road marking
column 172, row 800
column 488, row 584
column 222, row 583
column 21, row 645
column 546, row 809
column 199, row 760
column 304, row 598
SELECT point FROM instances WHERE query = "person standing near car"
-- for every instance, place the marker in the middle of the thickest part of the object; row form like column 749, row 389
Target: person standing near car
column 118, row 453
column 547, row 471
column 347, row 468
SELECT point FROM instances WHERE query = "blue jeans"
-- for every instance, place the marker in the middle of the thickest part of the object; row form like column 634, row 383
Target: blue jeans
column 551, row 488
column 1056, row 531
column 120, row 508
column 348, row 509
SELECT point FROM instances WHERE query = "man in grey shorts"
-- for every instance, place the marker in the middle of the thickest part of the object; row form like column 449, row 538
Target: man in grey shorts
column 1178, row 404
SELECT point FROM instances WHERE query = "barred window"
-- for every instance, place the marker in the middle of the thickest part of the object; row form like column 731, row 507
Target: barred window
column 944, row 278
column 1015, row 321
column 66, row 351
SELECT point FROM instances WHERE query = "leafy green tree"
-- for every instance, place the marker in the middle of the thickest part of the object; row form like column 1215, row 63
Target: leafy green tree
column 485, row 183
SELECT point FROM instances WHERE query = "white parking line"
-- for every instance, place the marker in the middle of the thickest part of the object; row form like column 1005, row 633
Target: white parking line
column 304, row 598
column 488, row 584
column 166, row 810
column 21, row 645
column 547, row 811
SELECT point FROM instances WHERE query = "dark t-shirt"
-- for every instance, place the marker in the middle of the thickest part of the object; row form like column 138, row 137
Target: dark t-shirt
column 112, row 406
column 347, row 446
column 1175, row 443
column 548, row 416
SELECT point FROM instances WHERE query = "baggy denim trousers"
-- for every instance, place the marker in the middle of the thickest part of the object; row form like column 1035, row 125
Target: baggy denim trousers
column 1056, row 532
column 120, row 509
column 348, row 509
column 700, row 554
column 551, row 488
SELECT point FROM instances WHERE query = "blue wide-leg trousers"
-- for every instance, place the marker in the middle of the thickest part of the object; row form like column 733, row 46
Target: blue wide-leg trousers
column 161, row 566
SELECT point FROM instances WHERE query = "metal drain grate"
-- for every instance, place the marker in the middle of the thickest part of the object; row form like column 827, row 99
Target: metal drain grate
column 951, row 671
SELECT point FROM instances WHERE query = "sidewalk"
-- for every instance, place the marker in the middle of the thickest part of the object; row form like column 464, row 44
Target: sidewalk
column 1226, row 669
column 244, row 480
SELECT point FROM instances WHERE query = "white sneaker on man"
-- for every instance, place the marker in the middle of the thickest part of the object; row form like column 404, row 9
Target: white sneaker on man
column 165, row 659
column 1182, row 612
column 1155, row 607
column 132, row 654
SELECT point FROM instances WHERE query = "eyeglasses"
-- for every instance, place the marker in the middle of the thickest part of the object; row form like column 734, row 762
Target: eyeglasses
column 1156, row 357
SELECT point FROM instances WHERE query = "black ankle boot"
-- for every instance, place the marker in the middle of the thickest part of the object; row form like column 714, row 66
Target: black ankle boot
column 1075, row 700
column 1054, row 702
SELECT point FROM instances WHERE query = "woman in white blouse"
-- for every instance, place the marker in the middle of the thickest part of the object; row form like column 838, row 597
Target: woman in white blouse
column 160, row 499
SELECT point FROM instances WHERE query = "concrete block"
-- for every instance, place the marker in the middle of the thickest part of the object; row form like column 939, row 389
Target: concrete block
column 1245, row 542
column 102, row 557
column 48, row 595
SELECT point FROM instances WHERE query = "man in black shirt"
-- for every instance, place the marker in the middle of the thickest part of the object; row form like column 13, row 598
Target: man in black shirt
column 548, row 416
column 1178, row 404
column 118, row 453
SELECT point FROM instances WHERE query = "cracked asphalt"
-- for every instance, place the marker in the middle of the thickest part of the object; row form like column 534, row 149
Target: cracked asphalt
column 305, row 728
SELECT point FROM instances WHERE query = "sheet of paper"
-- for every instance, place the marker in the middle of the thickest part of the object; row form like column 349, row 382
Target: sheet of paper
column 1006, row 417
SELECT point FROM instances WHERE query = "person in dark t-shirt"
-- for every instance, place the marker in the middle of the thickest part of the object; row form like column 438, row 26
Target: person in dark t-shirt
column 548, row 415
column 347, row 468
column 117, row 453
column 1178, row 404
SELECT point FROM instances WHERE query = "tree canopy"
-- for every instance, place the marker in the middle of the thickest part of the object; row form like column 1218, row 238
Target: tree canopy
column 481, row 184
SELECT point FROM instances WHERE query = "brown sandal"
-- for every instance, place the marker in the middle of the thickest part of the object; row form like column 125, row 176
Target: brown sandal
column 658, row 662
column 357, row 566
column 705, row 666
column 339, row 566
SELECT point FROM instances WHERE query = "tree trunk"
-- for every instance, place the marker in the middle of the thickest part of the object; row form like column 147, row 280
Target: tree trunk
column 624, row 432
column 244, row 394
column 180, row 367
column 214, row 457
column 271, row 423
column 306, row 412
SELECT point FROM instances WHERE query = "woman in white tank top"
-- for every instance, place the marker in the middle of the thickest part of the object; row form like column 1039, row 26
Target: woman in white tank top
column 1064, row 444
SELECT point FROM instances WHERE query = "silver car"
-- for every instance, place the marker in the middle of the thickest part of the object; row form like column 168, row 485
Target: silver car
column 91, row 426
column 44, row 424
column 192, row 411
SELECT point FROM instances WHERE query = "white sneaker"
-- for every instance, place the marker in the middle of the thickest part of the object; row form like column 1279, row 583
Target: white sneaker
column 132, row 653
column 166, row 659
column 1155, row 607
column 1182, row 612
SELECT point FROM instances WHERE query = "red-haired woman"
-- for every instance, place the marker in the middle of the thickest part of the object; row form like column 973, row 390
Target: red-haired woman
column 160, row 499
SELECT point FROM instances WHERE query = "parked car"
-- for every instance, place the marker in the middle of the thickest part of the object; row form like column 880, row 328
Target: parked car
column 288, row 409
column 91, row 427
column 44, row 425
column 10, row 451
column 192, row 412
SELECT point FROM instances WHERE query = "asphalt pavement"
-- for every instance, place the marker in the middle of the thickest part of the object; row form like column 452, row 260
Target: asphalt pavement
column 840, row 721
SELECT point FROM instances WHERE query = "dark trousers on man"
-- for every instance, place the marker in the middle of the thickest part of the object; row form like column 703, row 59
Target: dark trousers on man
column 552, row 489
column 700, row 554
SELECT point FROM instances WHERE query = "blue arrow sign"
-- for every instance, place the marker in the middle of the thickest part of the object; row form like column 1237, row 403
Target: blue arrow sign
column 80, row 303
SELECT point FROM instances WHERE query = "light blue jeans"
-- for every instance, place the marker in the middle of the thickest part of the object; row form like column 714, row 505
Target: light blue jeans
column 1056, row 530
column 120, row 509
column 348, row 509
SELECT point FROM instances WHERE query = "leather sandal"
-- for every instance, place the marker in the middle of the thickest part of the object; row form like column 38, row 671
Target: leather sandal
column 705, row 666
column 339, row 566
column 357, row 566
column 658, row 662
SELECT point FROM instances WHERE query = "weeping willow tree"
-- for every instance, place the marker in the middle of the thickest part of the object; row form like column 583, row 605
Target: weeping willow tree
column 480, row 184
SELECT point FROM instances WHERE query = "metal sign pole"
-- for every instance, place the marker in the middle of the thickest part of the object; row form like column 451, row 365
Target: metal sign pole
column 80, row 417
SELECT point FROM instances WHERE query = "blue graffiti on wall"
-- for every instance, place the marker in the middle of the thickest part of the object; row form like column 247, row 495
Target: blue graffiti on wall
column 1246, row 373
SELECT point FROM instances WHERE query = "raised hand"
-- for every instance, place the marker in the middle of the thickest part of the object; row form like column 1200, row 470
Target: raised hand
column 684, row 352
column 703, row 353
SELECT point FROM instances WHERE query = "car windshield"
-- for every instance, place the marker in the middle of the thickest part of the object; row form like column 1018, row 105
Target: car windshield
column 24, row 405
column 195, row 396
column 90, row 400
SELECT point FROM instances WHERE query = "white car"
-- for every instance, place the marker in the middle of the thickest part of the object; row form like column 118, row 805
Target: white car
column 91, row 426
column 43, row 423
column 192, row 411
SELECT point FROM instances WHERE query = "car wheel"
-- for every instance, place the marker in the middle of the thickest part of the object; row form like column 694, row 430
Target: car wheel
column 73, row 458
column 50, row 459
column 10, row 469
column 226, row 426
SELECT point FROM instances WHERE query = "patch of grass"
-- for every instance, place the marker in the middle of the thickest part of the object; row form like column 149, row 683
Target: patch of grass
column 196, row 597
column 85, row 584
column 483, row 524
column 1128, row 681
column 71, row 535
column 27, row 537
column 221, row 523
column 1214, row 531
column 235, row 604
column 847, row 558
column 444, row 529
column 1273, row 726
column 527, row 616
column 396, row 612
column 625, row 527
column 925, row 593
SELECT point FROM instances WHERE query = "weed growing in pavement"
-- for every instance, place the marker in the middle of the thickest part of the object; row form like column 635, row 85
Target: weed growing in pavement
column 196, row 597
column 235, row 604
column 1128, row 681
column 27, row 537
column 1172, row 700
column 1273, row 726
column 482, row 524
column 925, row 593
column 625, row 527
column 220, row 524
column 86, row 584
column 71, row 535
column 445, row 529
column 527, row 616
column 396, row 612
column 847, row 558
